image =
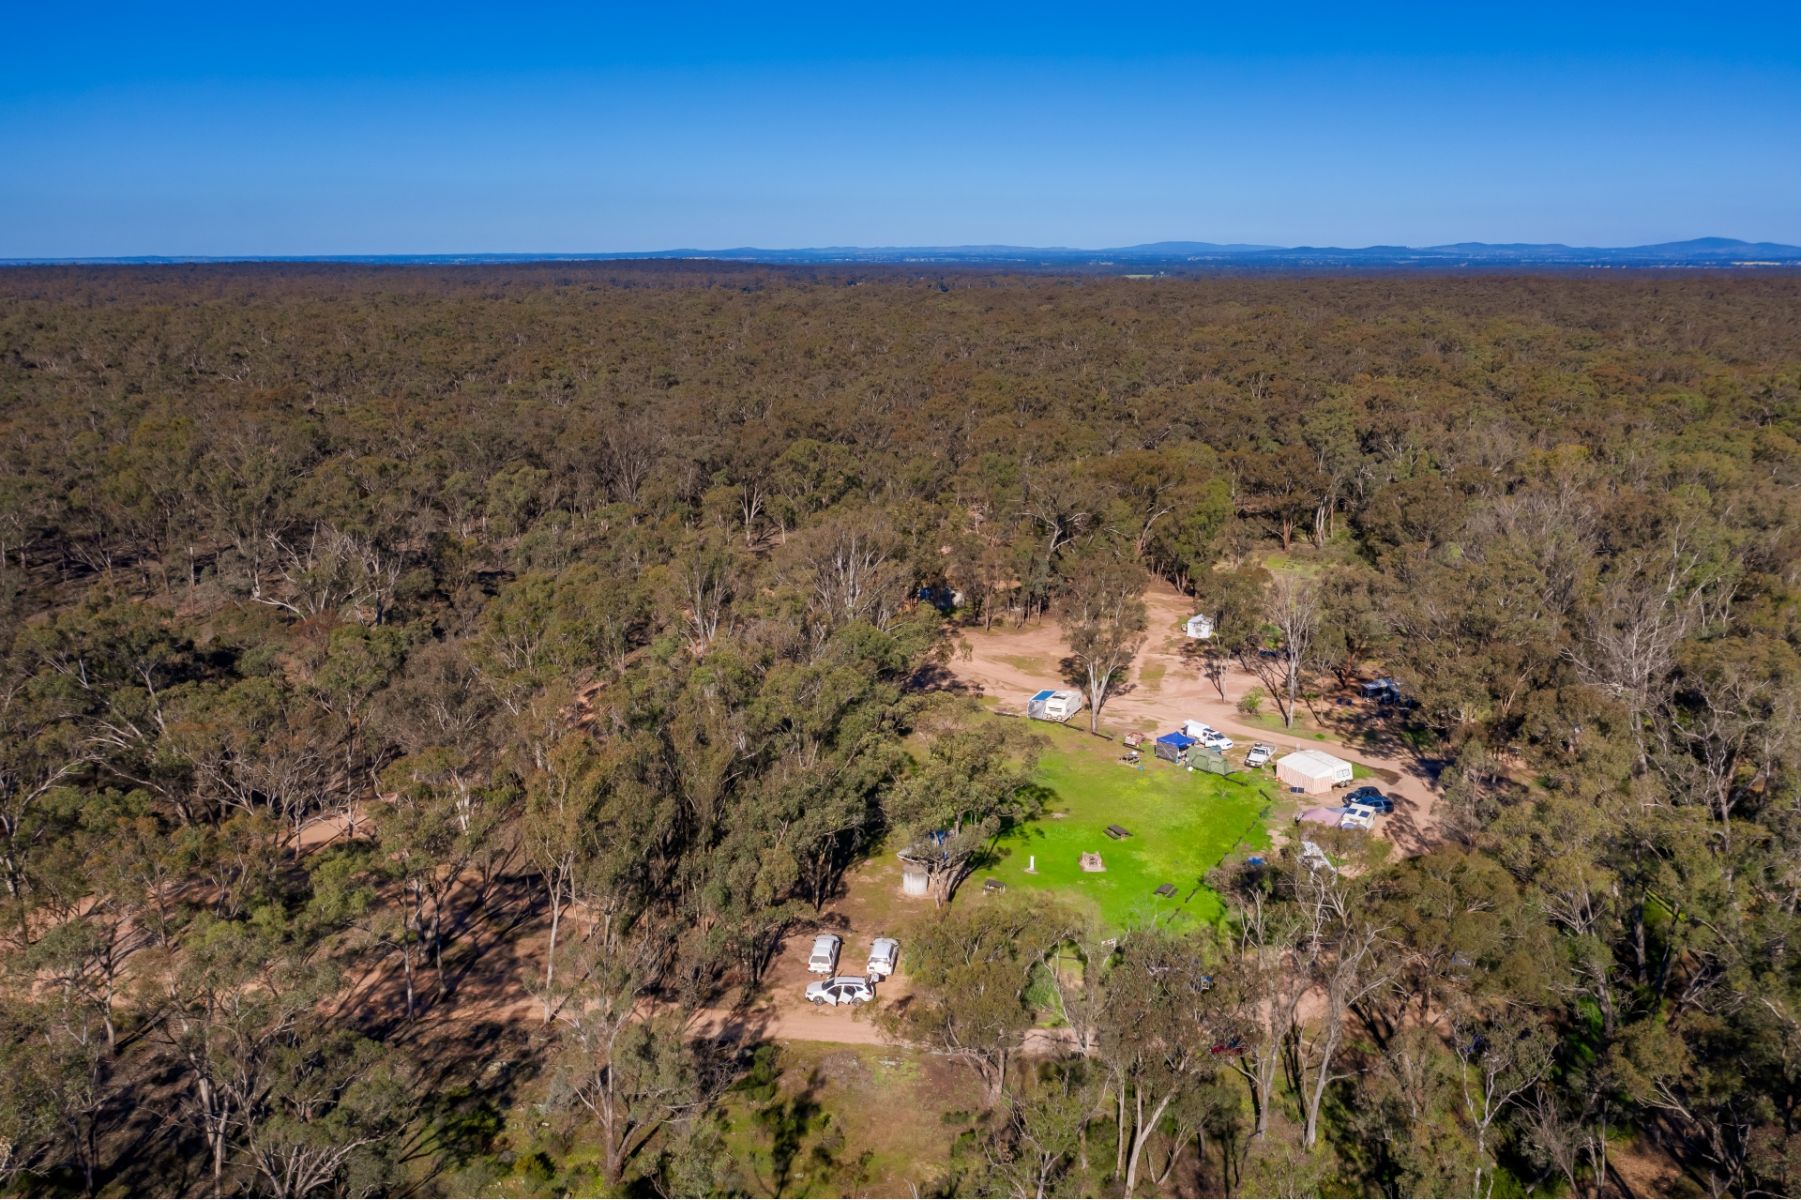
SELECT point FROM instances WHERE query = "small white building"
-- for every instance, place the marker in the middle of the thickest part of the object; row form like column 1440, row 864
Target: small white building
column 1054, row 705
column 915, row 881
column 1199, row 627
column 1312, row 771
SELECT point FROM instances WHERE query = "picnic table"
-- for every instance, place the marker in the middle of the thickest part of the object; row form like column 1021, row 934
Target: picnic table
column 1116, row 832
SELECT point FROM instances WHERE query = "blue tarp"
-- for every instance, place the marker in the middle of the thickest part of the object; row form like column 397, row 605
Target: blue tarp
column 1179, row 740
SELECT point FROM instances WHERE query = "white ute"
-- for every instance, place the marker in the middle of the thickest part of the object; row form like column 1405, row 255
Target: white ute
column 824, row 959
column 1207, row 735
column 845, row 989
column 1261, row 753
column 882, row 955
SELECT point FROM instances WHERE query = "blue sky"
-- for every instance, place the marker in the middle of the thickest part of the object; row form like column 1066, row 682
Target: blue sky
column 399, row 128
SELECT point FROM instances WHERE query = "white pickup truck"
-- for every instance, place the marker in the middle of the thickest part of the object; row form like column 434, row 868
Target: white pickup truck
column 1207, row 735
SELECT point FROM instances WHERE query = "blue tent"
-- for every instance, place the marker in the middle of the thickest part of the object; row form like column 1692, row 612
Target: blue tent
column 1174, row 745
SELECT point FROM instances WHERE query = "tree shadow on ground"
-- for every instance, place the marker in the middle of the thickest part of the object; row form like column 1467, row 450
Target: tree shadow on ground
column 936, row 677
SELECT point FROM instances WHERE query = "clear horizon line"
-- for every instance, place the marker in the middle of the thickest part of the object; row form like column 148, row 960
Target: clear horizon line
column 746, row 247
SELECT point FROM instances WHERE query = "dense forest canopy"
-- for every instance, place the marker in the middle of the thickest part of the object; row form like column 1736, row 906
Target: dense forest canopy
column 362, row 626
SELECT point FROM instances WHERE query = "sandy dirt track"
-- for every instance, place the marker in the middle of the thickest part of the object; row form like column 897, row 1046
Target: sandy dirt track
column 1165, row 689
column 850, row 1027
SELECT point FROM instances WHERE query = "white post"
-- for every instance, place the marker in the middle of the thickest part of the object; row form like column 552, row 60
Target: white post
column 1032, row 864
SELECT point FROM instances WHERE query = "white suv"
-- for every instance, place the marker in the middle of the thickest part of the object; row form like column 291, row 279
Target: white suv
column 845, row 989
column 824, row 959
column 882, row 956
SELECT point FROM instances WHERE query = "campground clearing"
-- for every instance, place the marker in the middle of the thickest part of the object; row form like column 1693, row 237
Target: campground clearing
column 1181, row 825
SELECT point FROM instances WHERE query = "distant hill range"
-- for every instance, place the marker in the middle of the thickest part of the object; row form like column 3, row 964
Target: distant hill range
column 1152, row 257
column 1700, row 252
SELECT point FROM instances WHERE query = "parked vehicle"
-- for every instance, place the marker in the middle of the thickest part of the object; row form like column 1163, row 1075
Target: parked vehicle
column 882, row 956
column 842, row 989
column 1373, row 797
column 1382, row 691
column 1217, row 741
column 1261, row 753
column 824, row 959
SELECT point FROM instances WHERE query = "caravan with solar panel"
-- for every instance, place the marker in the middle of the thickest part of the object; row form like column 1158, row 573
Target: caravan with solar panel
column 1053, row 704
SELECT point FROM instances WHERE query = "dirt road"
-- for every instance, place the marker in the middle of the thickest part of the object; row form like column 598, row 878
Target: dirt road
column 847, row 1027
column 1166, row 689
column 780, row 1011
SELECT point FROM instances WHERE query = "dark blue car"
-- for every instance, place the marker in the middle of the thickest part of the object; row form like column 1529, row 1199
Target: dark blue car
column 1372, row 797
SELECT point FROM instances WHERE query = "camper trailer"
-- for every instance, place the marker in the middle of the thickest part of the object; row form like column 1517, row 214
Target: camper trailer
column 1199, row 627
column 1054, row 705
column 1313, row 771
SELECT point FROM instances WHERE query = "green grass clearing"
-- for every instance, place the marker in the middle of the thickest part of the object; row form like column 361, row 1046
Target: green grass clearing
column 1305, row 559
column 1182, row 824
column 1277, row 562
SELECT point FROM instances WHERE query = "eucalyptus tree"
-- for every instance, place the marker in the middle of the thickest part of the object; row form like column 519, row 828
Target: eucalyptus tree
column 1104, row 619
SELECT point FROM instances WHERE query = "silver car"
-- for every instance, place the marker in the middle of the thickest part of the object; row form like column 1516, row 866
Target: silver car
column 841, row 989
column 824, row 959
column 882, row 956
